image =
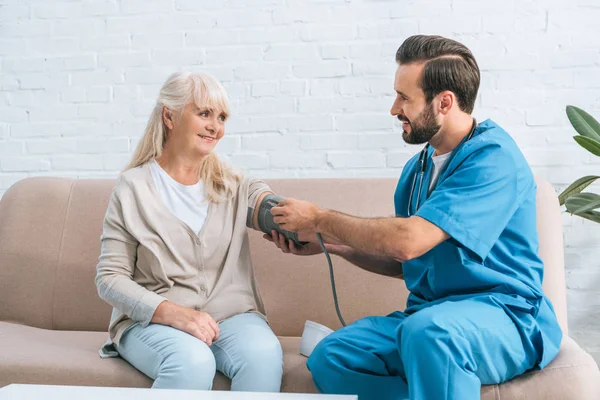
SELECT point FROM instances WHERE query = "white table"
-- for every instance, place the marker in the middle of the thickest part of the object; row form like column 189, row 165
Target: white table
column 47, row 392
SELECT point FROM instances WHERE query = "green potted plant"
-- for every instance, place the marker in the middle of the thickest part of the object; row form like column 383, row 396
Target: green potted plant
column 576, row 201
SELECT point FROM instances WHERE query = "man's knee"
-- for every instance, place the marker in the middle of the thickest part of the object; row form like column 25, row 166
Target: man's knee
column 322, row 362
column 321, row 353
column 345, row 348
column 432, row 339
column 426, row 331
column 329, row 354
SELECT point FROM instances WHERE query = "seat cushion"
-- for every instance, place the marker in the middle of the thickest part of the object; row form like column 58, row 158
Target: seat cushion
column 33, row 355
column 572, row 375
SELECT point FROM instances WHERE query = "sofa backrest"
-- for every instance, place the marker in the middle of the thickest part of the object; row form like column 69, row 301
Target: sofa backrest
column 50, row 242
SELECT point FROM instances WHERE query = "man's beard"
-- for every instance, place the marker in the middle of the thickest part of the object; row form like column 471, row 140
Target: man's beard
column 423, row 128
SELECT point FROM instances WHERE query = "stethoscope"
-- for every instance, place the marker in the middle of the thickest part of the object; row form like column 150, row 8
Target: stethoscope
column 423, row 165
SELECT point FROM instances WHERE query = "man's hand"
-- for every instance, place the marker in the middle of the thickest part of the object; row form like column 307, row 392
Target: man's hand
column 296, row 215
column 288, row 246
column 198, row 324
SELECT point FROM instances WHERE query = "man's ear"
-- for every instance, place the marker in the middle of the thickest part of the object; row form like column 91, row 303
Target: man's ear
column 447, row 101
column 167, row 116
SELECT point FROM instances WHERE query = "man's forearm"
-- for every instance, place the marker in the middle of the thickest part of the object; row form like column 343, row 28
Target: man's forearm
column 384, row 236
column 312, row 237
column 377, row 264
column 401, row 239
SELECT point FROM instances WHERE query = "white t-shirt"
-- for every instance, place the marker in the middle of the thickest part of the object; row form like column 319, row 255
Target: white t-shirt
column 187, row 202
column 438, row 164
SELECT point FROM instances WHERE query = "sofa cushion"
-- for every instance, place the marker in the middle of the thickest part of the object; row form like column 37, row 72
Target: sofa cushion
column 34, row 355
column 572, row 375
column 40, row 356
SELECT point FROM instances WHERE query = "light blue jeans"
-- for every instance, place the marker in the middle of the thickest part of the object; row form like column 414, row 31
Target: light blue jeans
column 247, row 352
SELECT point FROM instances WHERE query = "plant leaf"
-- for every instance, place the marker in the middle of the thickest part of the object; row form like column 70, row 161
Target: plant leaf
column 579, row 202
column 591, row 215
column 592, row 205
column 584, row 123
column 576, row 187
column 591, row 145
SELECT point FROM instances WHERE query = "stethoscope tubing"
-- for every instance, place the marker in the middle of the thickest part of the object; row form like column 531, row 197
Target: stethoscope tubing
column 421, row 170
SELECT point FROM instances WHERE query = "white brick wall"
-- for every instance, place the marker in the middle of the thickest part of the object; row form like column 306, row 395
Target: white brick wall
column 311, row 86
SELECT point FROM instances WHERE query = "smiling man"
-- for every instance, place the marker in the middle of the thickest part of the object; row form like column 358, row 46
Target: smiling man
column 464, row 239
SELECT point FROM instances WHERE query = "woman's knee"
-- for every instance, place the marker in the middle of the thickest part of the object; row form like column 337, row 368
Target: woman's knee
column 257, row 367
column 192, row 367
column 265, row 354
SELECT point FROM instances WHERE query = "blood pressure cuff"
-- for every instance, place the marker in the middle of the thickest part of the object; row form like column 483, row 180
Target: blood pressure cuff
column 265, row 219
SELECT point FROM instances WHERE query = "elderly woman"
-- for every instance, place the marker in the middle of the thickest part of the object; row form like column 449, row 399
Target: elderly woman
column 175, row 261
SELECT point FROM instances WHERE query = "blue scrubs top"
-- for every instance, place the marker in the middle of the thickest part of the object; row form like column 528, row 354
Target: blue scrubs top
column 485, row 199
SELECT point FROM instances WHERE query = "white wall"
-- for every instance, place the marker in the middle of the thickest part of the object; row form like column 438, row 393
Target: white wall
column 311, row 86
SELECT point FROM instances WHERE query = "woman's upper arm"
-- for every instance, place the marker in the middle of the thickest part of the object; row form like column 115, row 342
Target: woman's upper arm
column 119, row 246
column 257, row 191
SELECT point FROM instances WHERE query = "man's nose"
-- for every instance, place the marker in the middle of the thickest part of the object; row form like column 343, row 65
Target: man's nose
column 396, row 108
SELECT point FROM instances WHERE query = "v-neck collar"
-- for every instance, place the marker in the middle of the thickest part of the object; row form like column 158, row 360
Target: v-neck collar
column 158, row 198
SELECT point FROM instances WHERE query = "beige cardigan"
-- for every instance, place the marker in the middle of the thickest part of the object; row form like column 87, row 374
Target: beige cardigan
column 149, row 255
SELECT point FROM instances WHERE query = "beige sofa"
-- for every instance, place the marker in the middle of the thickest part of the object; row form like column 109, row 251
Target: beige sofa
column 52, row 322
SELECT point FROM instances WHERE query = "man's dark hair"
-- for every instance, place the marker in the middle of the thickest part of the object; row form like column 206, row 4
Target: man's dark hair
column 448, row 65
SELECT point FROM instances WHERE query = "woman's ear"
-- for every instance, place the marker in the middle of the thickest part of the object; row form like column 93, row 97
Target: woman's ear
column 167, row 116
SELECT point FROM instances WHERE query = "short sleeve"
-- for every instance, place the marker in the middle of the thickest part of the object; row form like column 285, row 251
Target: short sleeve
column 475, row 203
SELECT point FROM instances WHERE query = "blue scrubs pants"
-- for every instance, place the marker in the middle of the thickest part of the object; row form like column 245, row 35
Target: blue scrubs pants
column 444, row 351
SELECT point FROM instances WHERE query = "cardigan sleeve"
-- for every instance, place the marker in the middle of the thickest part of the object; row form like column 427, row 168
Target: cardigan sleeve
column 256, row 187
column 116, row 264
